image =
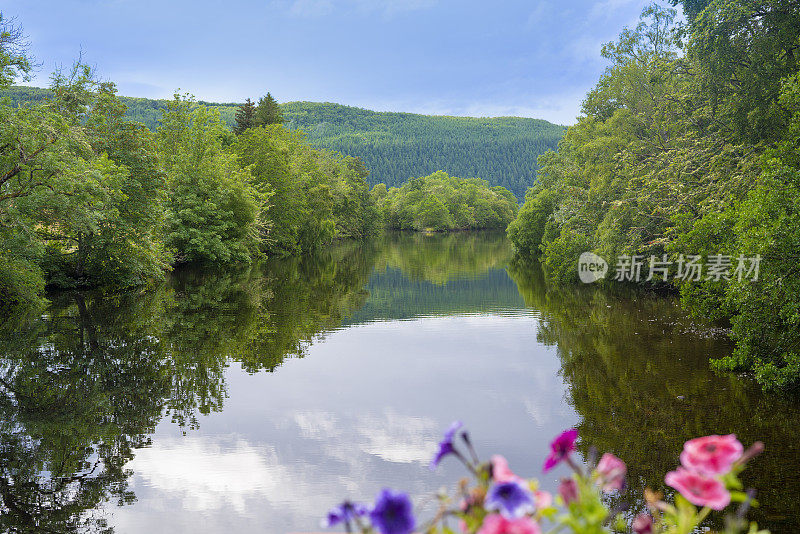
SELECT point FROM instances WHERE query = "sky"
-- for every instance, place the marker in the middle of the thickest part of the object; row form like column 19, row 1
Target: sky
column 530, row 58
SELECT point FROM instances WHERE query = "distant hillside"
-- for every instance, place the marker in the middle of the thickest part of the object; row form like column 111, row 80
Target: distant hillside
column 397, row 146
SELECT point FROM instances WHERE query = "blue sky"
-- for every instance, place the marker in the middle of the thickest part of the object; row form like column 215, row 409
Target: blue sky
column 534, row 58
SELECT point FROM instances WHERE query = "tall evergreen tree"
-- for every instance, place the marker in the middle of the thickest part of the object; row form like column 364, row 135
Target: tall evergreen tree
column 245, row 117
column 268, row 112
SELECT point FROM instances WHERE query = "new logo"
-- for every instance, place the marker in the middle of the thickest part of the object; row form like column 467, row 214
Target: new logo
column 591, row 267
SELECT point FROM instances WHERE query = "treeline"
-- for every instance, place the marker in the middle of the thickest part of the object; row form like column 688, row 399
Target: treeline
column 688, row 145
column 394, row 146
column 146, row 111
column 441, row 202
column 90, row 198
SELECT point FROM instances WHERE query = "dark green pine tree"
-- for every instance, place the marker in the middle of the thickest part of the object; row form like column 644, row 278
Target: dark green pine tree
column 268, row 112
column 245, row 117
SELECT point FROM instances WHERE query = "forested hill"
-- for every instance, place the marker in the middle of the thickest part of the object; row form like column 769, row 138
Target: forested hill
column 397, row 146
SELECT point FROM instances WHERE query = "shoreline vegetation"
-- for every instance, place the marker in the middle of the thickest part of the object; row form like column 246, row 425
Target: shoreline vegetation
column 91, row 198
column 393, row 146
column 688, row 146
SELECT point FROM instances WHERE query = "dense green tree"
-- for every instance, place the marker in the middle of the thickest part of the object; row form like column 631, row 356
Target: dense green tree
column 442, row 202
column 397, row 146
column 213, row 210
column 689, row 153
column 315, row 195
column 267, row 112
column 245, row 117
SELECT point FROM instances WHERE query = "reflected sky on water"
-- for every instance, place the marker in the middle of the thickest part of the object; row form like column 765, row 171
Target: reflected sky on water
column 253, row 401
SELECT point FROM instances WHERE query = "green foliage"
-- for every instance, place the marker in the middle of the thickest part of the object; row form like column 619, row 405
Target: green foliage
column 213, row 211
column 267, row 112
column 397, row 146
column 690, row 153
column 394, row 146
column 15, row 62
column 442, row 202
column 316, row 195
column 82, row 186
column 245, row 117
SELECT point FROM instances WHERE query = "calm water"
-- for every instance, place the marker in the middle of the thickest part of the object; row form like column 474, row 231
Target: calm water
column 253, row 401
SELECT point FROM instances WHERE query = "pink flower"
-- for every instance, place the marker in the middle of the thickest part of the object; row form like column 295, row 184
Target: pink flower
column 501, row 471
column 560, row 449
column 699, row 489
column 612, row 472
column 543, row 499
column 568, row 489
column 643, row 524
column 497, row 524
column 711, row 455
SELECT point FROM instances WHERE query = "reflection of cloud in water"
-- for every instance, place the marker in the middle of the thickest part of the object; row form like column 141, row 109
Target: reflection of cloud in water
column 330, row 426
column 398, row 438
column 208, row 474
column 390, row 436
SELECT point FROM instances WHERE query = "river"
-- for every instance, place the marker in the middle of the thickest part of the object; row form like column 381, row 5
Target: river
column 251, row 401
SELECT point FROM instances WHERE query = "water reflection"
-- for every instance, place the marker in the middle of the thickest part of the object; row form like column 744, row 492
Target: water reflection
column 638, row 377
column 250, row 401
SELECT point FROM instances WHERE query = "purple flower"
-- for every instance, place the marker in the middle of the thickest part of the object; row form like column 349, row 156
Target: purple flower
column 393, row 513
column 344, row 513
column 560, row 449
column 512, row 499
column 446, row 445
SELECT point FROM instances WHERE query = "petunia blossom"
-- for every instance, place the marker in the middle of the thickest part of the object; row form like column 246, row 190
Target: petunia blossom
column 560, row 449
column 512, row 499
column 344, row 513
column 568, row 489
column 543, row 499
column 643, row 524
column 611, row 471
column 711, row 455
column 393, row 513
column 497, row 524
column 446, row 445
column 699, row 489
column 500, row 470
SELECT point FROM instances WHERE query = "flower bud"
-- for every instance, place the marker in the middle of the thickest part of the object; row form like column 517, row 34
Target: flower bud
column 568, row 489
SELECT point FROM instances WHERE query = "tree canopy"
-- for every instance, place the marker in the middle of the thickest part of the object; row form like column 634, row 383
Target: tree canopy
column 688, row 146
column 444, row 202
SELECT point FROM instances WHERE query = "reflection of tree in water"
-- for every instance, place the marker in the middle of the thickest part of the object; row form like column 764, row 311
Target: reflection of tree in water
column 639, row 378
column 439, row 258
column 80, row 390
column 85, row 385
